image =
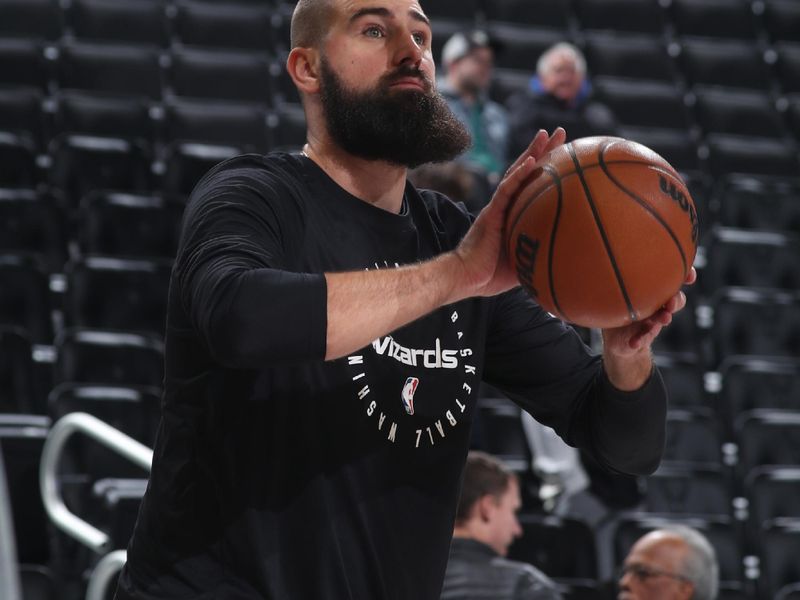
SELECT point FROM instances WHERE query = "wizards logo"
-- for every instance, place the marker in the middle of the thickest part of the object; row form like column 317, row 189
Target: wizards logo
column 407, row 395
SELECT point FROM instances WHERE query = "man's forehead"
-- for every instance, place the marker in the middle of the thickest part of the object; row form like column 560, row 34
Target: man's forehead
column 350, row 8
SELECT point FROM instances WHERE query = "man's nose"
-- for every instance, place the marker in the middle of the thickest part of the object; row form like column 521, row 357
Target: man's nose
column 408, row 50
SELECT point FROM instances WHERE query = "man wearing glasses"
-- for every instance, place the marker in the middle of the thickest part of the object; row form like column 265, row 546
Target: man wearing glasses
column 675, row 563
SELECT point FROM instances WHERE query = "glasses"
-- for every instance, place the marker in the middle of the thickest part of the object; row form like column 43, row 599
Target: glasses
column 643, row 573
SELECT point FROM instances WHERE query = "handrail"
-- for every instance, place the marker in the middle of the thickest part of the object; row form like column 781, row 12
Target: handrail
column 103, row 433
column 104, row 572
column 9, row 567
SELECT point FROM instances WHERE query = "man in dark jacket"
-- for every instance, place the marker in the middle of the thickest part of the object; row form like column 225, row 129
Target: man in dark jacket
column 486, row 525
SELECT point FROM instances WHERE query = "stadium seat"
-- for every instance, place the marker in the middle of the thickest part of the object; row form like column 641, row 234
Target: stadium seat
column 683, row 378
column 750, row 383
column 683, row 335
column 750, row 154
column 790, row 591
column 621, row 15
column 564, row 548
column 767, row 437
column 111, row 68
column 225, row 75
column 733, row 63
column 34, row 19
column 738, row 257
column 224, row 25
column 644, row 103
column 719, row 531
column 116, row 293
column 693, row 440
column 94, row 356
column 17, row 392
column 782, row 20
column 133, row 410
column 21, row 114
column 226, row 123
column 507, row 82
column 756, row 203
column 716, row 18
column 451, row 9
column 37, row 582
column 126, row 21
column 82, row 164
column 25, row 296
column 742, row 112
column 21, row 441
column 118, row 506
column 676, row 146
column 522, row 45
column 794, row 116
column 17, row 160
column 107, row 116
column 502, row 433
column 288, row 125
column 772, row 493
column 121, row 224
column 688, row 491
column 779, row 565
column 187, row 162
column 788, row 66
column 31, row 222
column 22, row 64
column 541, row 13
column 750, row 321
column 634, row 56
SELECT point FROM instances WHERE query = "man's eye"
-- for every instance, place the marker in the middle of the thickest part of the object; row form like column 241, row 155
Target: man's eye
column 374, row 32
column 420, row 38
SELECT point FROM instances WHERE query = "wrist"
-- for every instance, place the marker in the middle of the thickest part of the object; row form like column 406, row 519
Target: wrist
column 628, row 372
column 452, row 276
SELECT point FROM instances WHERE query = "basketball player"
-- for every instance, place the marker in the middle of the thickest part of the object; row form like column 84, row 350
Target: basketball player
column 328, row 327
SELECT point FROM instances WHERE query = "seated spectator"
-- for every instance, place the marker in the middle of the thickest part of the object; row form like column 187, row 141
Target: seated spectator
column 468, row 60
column 486, row 525
column 672, row 563
column 559, row 96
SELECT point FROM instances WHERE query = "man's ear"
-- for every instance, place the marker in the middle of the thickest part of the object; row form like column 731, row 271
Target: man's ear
column 303, row 67
column 485, row 507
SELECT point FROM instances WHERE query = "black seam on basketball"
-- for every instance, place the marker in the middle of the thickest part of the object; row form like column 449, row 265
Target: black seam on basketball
column 554, row 174
column 645, row 205
column 601, row 229
column 551, row 249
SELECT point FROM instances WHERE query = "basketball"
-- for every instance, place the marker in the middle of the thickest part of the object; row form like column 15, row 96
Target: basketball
column 603, row 233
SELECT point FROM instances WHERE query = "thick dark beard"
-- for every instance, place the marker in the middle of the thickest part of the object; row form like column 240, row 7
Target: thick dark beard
column 402, row 127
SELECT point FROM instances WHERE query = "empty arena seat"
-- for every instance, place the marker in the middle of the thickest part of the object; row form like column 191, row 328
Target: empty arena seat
column 693, row 439
column 17, row 160
column 759, row 203
column 750, row 383
column 106, row 116
column 240, row 125
column 111, row 68
column 507, row 82
column 95, row 356
column 644, row 103
column 683, row 378
column 564, row 548
column 37, row 582
column 621, row 15
column 738, row 257
column 117, row 293
column 187, row 162
column 750, row 154
column 767, row 437
column 733, row 63
column 40, row 19
column 634, row 56
column 790, row 591
column 742, row 112
column 677, row 146
column 288, row 126
column 794, row 116
column 83, row 163
column 130, row 21
column 226, row 75
column 690, row 491
column 22, row 64
column 542, row 13
column 683, row 335
column 772, row 493
column 452, row 9
column 782, row 20
column 17, row 391
column 25, row 296
column 32, row 223
column 21, row 113
column 502, row 433
column 122, row 224
column 788, row 66
column 780, row 548
column 522, row 45
column 748, row 321
column 224, row 25
column 718, row 18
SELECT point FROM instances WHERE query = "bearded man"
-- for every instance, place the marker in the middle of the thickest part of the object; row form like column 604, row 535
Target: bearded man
column 328, row 328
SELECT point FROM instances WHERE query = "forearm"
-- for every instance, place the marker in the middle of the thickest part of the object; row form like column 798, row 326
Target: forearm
column 628, row 372
column 364, row 305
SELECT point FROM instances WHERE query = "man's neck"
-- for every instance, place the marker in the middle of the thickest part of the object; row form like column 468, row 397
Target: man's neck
column 376, row 182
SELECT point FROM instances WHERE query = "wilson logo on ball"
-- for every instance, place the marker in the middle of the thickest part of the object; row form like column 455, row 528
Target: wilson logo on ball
column 527, row 249
column 671, row 190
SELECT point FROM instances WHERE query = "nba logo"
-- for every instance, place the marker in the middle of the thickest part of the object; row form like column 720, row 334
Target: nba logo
column 408, row 394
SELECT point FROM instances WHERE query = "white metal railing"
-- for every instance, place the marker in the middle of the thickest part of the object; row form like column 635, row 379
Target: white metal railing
column 104, row 574
column 106, row 435
column 9, row 568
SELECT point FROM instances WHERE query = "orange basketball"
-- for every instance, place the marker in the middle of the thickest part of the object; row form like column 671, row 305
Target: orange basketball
column 604, row 233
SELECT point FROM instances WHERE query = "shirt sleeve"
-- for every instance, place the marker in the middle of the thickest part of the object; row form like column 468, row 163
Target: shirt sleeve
column 533, row 587
column 234, row 277
column 544, row 367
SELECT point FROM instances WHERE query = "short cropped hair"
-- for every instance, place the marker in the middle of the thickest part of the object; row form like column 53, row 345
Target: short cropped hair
column 544, row 60
column 310, row 21
column 484, row 475
column 700, row 565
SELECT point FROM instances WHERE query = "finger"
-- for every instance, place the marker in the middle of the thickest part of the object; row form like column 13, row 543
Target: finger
column 513, row 182
column 691, row 277
column 676, row 303
column 532, row 150
column 554, row 141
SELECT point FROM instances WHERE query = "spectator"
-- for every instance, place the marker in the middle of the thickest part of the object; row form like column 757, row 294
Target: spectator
column 468, row 59
column 675, row 563
column 559, row 95
column 486, row 525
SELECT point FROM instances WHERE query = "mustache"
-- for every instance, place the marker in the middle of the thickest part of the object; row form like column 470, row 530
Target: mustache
column 404, row 72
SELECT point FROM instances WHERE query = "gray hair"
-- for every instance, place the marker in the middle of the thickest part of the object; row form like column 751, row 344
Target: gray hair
column 700, row 566
column 544, row 60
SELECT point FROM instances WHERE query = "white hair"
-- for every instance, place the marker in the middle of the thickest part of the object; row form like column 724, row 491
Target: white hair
column 543, row 64
column 700, row 565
